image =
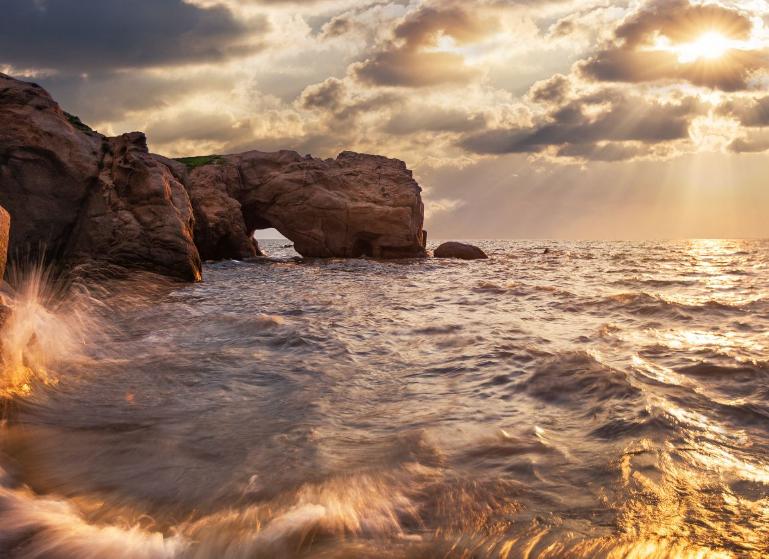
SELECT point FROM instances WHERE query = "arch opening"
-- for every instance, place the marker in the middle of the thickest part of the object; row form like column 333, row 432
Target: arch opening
column 362, row 247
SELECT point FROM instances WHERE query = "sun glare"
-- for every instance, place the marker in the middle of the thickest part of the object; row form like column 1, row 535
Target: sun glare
column 709, row 46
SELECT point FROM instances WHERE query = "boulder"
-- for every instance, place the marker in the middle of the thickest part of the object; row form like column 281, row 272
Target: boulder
column 459, row 250
column 354, row 205
column 83, row 198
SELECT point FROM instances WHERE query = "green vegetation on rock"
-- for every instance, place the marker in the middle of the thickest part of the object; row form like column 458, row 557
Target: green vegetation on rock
column 200, row 160
column 76, row 122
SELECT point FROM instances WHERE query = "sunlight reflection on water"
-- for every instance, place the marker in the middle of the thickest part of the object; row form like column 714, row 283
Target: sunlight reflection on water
column 604, row 400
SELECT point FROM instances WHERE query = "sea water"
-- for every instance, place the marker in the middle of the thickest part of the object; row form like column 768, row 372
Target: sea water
column 606, row 399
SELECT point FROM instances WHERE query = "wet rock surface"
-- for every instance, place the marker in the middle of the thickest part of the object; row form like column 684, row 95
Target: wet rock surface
column 459, row 250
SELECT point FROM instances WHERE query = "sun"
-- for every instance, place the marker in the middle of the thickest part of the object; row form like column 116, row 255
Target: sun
column 709, row 46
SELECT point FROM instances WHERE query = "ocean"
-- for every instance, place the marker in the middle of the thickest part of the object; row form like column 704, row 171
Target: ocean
column 603, row 400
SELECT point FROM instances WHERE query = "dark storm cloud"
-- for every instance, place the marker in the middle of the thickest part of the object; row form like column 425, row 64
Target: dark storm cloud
column 408, row 65
column 608, row 116
column 630, row 59
column 87, row 35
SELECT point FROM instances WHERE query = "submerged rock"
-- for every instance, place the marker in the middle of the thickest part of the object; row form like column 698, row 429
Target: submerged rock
column 459, row 250
column 354, row 205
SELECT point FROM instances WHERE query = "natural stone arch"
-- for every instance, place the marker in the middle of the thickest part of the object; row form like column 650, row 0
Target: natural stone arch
column 356, row 205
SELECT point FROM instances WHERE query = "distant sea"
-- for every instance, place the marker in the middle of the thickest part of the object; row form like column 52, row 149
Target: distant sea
column 603, row 400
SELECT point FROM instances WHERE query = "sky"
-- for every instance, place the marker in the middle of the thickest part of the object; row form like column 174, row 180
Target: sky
column 590, row 119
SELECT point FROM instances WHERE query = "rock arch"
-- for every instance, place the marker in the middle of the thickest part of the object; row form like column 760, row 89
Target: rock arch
column 352, row 206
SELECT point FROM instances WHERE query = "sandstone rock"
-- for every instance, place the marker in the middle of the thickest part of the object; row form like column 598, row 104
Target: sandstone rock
column 47, row 167
column 354, row 205
column 459, row 250
column 140, row 216
column 87, row 199
column 220, row 231
column 5, row 228
column 84, row 199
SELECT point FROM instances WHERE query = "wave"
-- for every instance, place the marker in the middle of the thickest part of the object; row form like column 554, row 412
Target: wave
column 33, row 526
column 657, row 305
column 575, row 379
column 50, row 320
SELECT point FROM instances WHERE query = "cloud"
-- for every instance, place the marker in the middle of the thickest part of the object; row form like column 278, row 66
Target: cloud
column 78, row 36
column 415, row 69
column 752, row 142
column 551, row 91
column 429, row 119
column 682, row 22
column 425, row 26
column 731, row 72
column 416, row 56
column 646, row 48
column 750, row 112
column 327, row 95
column 589, row 124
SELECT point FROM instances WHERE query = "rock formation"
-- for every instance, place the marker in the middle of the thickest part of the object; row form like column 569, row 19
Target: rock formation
column 354, row 205
column 5, row 229
column 459, row 250
column 84, row 198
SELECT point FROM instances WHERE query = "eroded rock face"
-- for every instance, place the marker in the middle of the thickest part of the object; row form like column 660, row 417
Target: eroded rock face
column 47, row 167
column 87, row 199
column 5, row 225
column 459, row 250
column 5, row 229
column 354, row 205
column 139, row 216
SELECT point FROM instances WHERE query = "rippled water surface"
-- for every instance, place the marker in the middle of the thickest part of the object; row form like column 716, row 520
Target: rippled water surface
column 607, row 399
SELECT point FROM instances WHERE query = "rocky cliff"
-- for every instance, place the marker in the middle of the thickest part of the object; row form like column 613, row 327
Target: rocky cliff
column 5, row 229
column 354, row 205
column 88, row 199
column 84, row 198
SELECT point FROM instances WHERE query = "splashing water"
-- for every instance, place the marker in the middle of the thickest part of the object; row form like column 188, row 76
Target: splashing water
column 606, row 400
column 46, row 323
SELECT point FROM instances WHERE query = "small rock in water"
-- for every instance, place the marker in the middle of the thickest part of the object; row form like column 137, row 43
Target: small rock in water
column 459, row 250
